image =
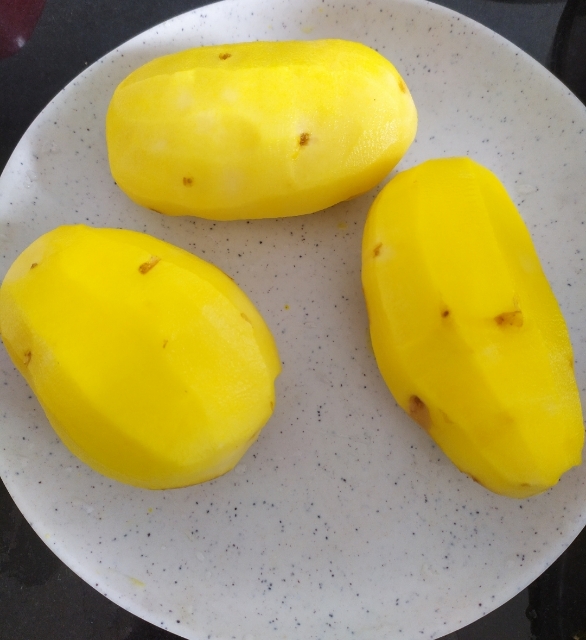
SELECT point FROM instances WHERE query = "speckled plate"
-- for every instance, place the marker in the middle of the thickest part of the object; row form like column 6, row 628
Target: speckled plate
column 343, row 520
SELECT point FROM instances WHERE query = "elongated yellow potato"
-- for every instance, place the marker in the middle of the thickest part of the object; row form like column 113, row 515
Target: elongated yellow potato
column 257, row 130
column 152, row 365
column 466, row 330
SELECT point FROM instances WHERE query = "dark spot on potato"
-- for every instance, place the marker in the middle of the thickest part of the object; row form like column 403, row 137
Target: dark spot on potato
column 304, row 139
column 145, row 267
column 419, row 412
column 402, row 86
column 187, row 181
column 165, row 343
column 525, row 484
column 445, row 313
column 376, row 250
column 27, row 357
column 246, row 317
column 34, row 264
column 225, row 56
column 272, row 405
column 510, row 319
column 155, row 210
column 475, row 479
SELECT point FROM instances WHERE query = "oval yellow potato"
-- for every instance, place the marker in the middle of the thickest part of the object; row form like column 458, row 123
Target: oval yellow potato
column 257, row 130
column 466, row 330
column 152, row 365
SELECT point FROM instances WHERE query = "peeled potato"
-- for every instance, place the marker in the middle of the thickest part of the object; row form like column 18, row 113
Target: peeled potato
column 152, row 365
column 256, row 130
column 466, row 330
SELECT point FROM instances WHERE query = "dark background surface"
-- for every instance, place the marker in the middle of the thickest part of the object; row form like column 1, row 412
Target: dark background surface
column 40, row 598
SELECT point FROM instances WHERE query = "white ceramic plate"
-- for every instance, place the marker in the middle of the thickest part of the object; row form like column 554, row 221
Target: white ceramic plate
column 343, row 520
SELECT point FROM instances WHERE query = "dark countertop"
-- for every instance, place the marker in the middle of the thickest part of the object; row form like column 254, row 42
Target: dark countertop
column 40, row 598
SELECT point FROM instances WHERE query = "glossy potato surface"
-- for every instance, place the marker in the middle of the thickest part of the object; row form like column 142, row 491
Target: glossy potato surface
column 256, row 130
column 466, row 330
column 152, row 365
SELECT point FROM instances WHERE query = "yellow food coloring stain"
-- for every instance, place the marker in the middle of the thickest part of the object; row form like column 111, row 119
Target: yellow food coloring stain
column 137, row 583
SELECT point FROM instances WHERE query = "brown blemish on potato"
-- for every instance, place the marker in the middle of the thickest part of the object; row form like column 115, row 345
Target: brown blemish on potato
column 510, row 319
column 445, row 313
column 155, row 210
column 475, row 479
column 187, row 181
column 419, row 412
column 145, row 267
column 27, row 357
column 34, row 264
column 245, row 317
column 304, row 139
column 272, row 405
column 376, row 250
column 402, row 85
column 165, row 343
column 225, row 56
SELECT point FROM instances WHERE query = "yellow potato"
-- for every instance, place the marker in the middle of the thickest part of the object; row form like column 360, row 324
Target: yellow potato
column 152, row 365
column 257, row 130
column 466, row 330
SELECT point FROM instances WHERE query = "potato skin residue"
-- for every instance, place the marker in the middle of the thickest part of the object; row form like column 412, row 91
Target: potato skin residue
column 376, row 250
column 304, row 139
column 225, row 56
column 510, row 319
column 419, row 412
column 187, row 181
column 27, row 357
column 145, row 267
